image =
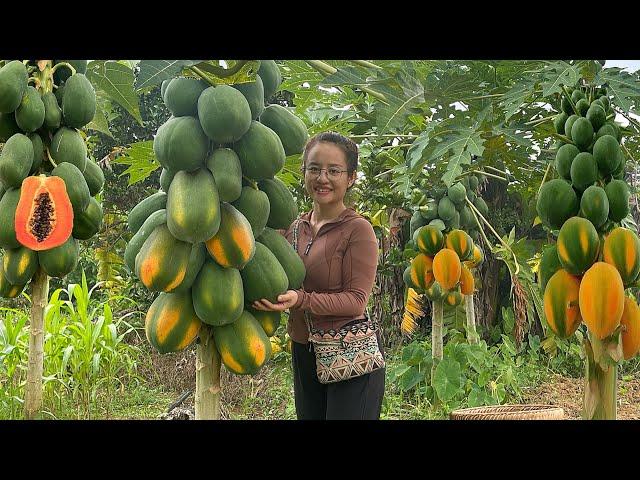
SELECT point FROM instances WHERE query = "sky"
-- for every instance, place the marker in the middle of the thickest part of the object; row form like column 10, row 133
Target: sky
column 629, row 65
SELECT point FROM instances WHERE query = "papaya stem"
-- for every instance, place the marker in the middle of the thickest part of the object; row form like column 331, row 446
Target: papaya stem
column 33, row 387
column 624, row 147
column 564, row 138
column 490, row 175
column 573, row 105
column 385, row 135
column 63, row 64
column 600, row 382
column 463, row 174
column 469, row 172
column 326, row 70
column 364, row 63
column 436, row 335
column 472, row 334
column 482, row 232
column 631, row 120
column 383, row 174
column 253, row 183
column 538, row 121
column 496, row 169
column 208, row 363
column 389, row 147
column 50, row 159
column 200, row 73
column 515, row 259
column 218, row 71
column 48, row 76
column 482, row 97
column 546, row 172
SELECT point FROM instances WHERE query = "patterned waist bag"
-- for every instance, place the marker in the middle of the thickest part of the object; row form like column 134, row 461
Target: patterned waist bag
column 348, row 352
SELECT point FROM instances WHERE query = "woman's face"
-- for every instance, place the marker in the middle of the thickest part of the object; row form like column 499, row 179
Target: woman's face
column 327, row 188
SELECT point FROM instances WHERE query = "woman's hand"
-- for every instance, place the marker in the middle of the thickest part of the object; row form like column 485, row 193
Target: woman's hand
column 285, row 301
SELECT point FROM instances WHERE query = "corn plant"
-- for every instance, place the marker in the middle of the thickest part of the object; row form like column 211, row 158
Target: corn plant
column 86, row 358
column 13, row 350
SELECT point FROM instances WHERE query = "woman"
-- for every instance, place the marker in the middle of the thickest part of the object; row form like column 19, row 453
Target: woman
column 340, row 253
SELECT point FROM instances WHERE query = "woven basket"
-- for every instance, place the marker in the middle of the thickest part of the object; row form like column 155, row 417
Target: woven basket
column 509, row 412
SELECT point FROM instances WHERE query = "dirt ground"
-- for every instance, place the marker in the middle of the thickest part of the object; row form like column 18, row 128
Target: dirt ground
column 175, row 372
column 567, row 393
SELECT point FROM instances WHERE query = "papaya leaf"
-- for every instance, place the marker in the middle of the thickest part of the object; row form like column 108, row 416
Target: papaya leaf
column 464, row 142
column 454, row 166
column 116, row 80
column 217, row 75
column 557, row 74
column 303, row 81
column 414, row 154
column 461, row 138
column 624, row 86
column 99, row 122
column 516, row 97
column 346, row 76
column 129, row 63
column 141, row 160
column 398, row 107
column 589, row 69
column 109, row 264
column 515, row 137
column 153, row 72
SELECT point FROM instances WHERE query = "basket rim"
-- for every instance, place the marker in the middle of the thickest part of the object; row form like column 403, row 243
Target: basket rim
column 513, row 409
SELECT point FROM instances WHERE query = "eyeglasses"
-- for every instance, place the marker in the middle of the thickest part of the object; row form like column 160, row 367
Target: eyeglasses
column 332, row 172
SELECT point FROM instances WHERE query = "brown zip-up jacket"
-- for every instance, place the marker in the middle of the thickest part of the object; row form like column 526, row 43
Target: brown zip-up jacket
column 341, row 264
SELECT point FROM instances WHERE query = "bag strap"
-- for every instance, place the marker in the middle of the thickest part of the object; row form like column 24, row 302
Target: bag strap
column 294, row 240
column 294, row 244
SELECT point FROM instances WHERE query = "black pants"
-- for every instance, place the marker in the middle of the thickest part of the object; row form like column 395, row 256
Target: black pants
column 358, row 398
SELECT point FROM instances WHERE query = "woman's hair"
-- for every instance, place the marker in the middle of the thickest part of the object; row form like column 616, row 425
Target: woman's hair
column 348, row 146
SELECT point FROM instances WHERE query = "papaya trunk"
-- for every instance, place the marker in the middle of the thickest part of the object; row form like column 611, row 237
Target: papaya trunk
column 472, row 334
column 436, row 336
column 600, row 383
column 207, row 377
column 33, row 388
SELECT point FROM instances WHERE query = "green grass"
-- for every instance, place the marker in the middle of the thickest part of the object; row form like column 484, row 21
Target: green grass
column 142, row 403
column 267, row 396
column 138, row 402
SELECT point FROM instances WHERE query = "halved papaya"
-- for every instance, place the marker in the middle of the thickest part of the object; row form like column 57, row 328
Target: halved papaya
column 44, row 216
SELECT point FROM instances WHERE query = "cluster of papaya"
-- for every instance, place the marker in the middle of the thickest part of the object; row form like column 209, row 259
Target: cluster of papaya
column 589, row 163
column 585, row 273
column 208, row 239
column 47, row 182
column 442, row 269
column 445, row 208
column 584, row 278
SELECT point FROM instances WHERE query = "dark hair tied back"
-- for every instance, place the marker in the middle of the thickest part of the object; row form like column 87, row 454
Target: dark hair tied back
column 348, row 146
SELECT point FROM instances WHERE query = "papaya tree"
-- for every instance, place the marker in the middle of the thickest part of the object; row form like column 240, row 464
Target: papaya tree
column 207, row 240
column 50, row 189
column 419, row 124
column 596, row 256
